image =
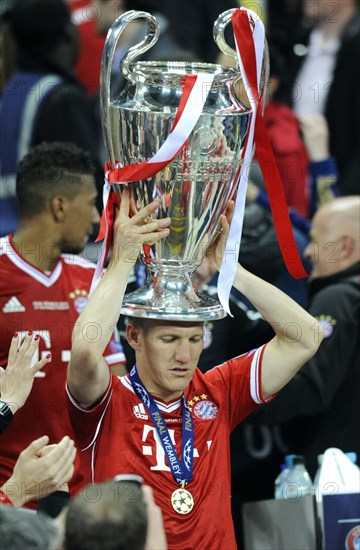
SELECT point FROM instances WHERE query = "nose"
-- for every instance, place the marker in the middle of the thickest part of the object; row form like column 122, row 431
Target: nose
column 183, row 352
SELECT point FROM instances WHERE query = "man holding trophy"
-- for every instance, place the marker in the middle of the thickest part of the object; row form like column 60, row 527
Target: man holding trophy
column 166, row 421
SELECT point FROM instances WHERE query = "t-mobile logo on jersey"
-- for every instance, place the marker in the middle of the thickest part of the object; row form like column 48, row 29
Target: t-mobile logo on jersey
column 150, row 434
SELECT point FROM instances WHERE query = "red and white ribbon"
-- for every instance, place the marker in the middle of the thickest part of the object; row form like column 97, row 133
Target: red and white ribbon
column 250, row 46
column 195, row 92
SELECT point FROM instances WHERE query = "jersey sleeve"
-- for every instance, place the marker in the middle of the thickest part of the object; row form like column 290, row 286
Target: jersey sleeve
column 86, row 421
column 241, row 379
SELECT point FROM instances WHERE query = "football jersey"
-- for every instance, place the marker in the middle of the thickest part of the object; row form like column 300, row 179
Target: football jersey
column 123, row 439
column 48, row 304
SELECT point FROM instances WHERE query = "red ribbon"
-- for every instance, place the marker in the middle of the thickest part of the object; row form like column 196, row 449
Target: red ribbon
column 264, row 152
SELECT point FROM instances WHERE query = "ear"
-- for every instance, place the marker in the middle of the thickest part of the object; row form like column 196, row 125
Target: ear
column 59, row 207
column 347, row 246
column 133, row 333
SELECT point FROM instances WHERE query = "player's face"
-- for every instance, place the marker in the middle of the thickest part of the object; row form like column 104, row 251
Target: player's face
column 167, row 354
column 81, row 216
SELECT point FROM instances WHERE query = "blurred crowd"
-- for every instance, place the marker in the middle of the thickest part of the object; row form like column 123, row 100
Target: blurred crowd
column 50, row 57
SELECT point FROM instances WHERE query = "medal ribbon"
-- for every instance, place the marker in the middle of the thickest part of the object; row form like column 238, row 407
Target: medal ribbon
column 181, row 469
column 250, row 50
column 195, row 91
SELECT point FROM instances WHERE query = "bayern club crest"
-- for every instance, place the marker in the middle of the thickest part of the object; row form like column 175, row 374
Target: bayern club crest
column 205, row 410
column 79, row 298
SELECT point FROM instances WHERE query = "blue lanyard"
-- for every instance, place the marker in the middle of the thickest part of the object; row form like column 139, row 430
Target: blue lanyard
column 181, row 470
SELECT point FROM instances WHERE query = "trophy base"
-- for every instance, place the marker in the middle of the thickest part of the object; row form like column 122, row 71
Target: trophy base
column 172, row 299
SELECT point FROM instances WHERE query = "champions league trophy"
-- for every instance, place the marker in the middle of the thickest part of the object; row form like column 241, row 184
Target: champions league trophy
column 195, row 186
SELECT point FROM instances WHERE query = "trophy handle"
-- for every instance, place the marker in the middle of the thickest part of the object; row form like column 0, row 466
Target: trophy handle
column 218, row 33
column 150, row 39
column 108, row 57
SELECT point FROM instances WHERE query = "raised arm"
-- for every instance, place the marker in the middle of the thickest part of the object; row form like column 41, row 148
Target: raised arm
column 297, row 334
column 88, row 373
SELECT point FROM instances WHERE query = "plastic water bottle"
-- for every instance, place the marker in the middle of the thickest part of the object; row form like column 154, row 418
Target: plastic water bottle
column 280, row 481
column 298, row 481
column 352, row 456
column 317, row 475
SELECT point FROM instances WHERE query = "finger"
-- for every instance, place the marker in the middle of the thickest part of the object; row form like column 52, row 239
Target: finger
column 124, row 202
column 225, row 230
column 40, row 364
column 152, row 238
column 154, row 226
column 45, row 450
column 61, row 450
column 26, row 355
column 26, row 343
column 146, row 211
column 63, row 457
column 32, row 347
column 230, row 207
column 35, row 447
column 55, row 459
column 14, row 346
column 66, row 469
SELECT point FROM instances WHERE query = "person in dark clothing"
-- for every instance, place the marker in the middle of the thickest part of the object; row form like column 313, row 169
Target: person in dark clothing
column 320, row 407
column 42, row 101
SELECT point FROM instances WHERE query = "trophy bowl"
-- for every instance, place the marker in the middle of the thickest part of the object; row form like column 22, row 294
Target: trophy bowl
column 195, row 187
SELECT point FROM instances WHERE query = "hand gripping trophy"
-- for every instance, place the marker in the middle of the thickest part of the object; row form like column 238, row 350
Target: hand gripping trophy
column 178, row 132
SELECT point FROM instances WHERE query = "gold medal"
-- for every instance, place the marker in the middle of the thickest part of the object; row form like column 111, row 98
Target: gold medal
column 182, row 501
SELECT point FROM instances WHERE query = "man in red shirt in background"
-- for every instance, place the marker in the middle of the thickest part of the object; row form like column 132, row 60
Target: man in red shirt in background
column 44, row 286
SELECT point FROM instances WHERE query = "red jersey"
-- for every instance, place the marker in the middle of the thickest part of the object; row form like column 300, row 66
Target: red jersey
column 48, row 304
column 124, row 440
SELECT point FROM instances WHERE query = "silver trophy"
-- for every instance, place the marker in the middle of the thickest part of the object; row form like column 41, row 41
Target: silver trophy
column 196, row 186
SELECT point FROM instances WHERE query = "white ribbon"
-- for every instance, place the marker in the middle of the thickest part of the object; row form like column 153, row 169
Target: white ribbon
column 231, row 255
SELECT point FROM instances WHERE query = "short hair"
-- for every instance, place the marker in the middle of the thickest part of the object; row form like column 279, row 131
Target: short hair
column 24, row 529
column 38, row 24
column 146, row 323
column 49, row 169
column 110, row 516
column 142, row 322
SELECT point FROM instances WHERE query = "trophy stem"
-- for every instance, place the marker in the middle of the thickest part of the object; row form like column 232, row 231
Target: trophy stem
column 168, row 294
